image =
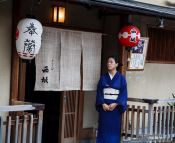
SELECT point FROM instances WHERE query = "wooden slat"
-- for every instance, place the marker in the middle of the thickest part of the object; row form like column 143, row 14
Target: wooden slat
column 155, row 122
column 172, row 121
column 20, row 133
column 69, row 101
column 132, row 120
column 31, row 129
column 39, row 127
column 168, row 123
column 160, row 121
column 123, row 122
column 150, row 119
column 136, row 100
column 28, row 107
column 161, row 41
column 143, row 120
column 8, row 129
column 65, row 130
column 138, row 122
column 69, row 124
column 24, row 130
column 68, row 113
column 127, row 121
column 68, row 108
column 34, row 132
column 164, row 121
column 80, row 130
column 16, row 129
column 16, row 108
column 1, row 129
column 65, row 102
column 70, row 127
column 76, row 114
column 65, row 111
column 71, row 117
column 72, row 101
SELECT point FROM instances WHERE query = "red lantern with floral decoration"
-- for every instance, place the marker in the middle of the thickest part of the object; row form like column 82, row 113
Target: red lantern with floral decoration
column 129, row 36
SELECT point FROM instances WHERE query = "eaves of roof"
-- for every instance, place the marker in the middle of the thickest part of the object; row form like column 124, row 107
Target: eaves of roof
column 133, row 6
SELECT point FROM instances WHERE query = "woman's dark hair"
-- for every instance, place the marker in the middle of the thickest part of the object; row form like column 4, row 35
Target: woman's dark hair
column 116, row 61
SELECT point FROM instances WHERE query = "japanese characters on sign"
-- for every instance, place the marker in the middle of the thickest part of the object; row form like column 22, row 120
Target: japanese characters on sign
column 137, row 56
column 28, row 38
column 45, row 78
column 129, row 36
column 45, row 72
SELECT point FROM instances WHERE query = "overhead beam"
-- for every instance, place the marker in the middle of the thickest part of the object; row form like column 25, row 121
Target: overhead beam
column 131, row 6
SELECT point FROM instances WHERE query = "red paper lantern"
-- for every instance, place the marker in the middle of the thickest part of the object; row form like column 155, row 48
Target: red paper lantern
column 129, row 36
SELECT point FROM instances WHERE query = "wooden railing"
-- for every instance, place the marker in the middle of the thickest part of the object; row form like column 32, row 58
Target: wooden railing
column 21, row 123
column 152, row 122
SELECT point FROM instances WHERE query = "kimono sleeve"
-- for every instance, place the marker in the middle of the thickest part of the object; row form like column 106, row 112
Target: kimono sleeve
column 99, row 95
column 123, row 96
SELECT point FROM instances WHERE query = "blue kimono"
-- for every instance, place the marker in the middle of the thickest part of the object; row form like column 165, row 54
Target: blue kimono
column 110, row 91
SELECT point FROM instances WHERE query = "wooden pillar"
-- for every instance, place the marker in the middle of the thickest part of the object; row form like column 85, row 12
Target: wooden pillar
column 22, row 80
column 123, row 59
column 15, row 62
column 123, row 52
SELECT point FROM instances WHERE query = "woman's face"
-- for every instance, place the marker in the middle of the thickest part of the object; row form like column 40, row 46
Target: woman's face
column 111, row 64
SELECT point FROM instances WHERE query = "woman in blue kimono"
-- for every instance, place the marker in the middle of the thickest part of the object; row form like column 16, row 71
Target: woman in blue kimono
column 111, row 102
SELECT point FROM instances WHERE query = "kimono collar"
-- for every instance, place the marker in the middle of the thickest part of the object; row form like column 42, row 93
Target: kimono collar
column 114, row 77
column 111, row 76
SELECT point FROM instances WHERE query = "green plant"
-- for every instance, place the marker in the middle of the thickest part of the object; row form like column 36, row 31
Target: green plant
column 173, row 103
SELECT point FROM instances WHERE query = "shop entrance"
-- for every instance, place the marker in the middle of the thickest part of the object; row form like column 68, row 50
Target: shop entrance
column 61, row 110
column 51, row 99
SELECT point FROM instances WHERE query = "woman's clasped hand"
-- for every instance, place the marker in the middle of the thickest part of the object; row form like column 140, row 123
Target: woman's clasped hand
column 109, row 107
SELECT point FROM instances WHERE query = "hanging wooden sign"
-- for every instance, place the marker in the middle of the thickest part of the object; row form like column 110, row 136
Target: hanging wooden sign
column 137, row 55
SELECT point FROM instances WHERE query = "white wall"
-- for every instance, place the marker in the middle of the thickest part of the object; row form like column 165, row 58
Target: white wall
column 5, row 50
column 157, row 81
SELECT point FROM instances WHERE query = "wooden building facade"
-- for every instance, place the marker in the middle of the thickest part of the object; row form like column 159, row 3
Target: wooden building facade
column 64, row 111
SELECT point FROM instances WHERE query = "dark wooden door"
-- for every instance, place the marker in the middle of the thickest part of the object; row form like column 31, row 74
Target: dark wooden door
column 51, row 99
column 69, row 115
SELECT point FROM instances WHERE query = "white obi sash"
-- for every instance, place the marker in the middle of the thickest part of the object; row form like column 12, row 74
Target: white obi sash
column 111, row 93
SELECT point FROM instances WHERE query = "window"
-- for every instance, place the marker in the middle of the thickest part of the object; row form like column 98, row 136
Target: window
column 161, row 45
